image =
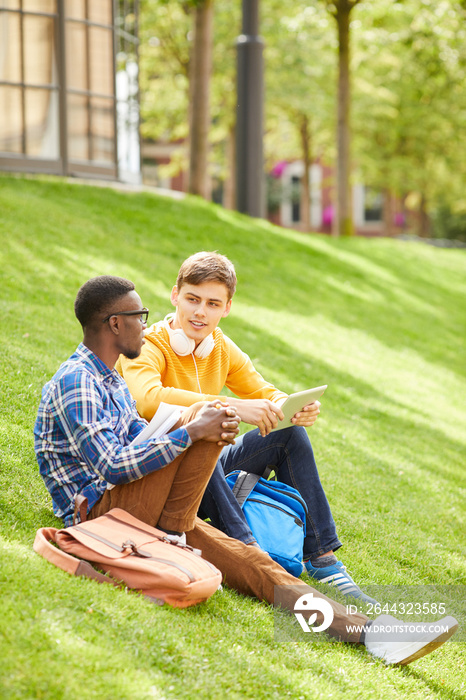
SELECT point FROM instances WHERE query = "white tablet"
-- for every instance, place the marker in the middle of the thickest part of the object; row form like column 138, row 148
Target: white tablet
column 296, row 402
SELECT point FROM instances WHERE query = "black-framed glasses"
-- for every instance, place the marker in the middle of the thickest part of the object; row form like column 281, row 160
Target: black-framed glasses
column 143, row 313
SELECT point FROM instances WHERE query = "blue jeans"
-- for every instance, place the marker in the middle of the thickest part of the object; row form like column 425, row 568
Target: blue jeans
column 289, row 453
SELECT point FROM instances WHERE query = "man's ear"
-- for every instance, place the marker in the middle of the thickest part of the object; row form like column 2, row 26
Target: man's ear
column 227, row 309
column 114, row 325
column 174, row 296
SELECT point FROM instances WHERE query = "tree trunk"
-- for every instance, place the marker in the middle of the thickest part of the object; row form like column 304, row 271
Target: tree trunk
column 305, row 136
column 424, row 219
column 200, row 72
column 388, row 213
column 344, row 219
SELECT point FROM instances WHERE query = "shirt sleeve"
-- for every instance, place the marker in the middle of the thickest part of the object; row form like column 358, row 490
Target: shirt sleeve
column 144, row 379
column 80, row 410
column 137, row 424
column 245, row 381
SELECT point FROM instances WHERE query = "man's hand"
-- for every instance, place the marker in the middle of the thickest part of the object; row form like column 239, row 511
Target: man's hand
column 308, row 415
column 261, row 412
column 215, row 422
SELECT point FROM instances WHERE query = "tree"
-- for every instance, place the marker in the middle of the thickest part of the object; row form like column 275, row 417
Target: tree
column 199, row 84
column 164, row 75
column 410, row 102
column 227, row 24
column 176, row 65
column 341, row 11
column 182, row 99
column 300, row 61
column 408, row 69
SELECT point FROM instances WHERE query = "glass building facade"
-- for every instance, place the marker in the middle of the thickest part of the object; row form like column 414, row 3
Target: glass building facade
column 69, row 88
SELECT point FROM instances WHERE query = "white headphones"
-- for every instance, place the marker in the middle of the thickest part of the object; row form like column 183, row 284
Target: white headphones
column 182, row 345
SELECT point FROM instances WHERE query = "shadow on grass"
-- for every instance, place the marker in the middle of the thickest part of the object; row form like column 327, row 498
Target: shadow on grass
column 356, row 474
column 58, row 236
column 146, row 237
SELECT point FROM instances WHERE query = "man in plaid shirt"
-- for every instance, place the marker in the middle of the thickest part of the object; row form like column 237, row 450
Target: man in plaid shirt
column 83, row 440
column 87, row 420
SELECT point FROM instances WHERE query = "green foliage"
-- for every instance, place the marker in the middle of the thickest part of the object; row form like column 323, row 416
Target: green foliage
column 164, row 69
column 166, row 38
column 410, row 97
column 276, row 193
column 300, row 45
column 409, row 87
column 382, row 322
column 449, row 224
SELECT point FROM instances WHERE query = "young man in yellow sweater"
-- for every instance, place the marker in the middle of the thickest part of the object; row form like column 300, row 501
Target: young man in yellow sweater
column 85, row 427
column 186, row 358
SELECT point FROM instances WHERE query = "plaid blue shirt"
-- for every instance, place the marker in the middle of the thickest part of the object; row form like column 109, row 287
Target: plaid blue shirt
column 83, row 432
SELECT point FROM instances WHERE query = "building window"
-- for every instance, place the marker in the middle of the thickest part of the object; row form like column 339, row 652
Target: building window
column 373, row 205
column 90, row 90
column 29, row 125
column 58, row 87
column 367, row 206
column 291, row 205
column 127, row 90
column 295, row 196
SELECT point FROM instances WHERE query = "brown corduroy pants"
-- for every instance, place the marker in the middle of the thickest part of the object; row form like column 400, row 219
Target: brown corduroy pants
column 170, row 497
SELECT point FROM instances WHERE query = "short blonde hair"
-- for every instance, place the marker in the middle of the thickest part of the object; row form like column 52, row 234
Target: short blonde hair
column 208, row 267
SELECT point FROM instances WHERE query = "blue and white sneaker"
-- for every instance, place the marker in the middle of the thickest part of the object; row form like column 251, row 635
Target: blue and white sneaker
column 336, row 575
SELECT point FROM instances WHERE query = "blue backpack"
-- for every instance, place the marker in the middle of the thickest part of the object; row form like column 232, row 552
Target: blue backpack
column 276, row 514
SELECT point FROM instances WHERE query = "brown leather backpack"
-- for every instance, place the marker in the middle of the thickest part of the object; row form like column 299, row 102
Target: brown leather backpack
column 133, row 554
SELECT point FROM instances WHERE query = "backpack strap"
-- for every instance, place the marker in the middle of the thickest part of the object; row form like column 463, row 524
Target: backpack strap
column 245, row 483
column 72, row 565
column 267, row 472
column 80, row 507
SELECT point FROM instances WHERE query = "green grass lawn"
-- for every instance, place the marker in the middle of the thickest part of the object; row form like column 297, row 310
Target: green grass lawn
column 381, row 322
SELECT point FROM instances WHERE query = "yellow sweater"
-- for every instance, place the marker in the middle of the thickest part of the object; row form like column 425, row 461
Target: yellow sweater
column 158, row 374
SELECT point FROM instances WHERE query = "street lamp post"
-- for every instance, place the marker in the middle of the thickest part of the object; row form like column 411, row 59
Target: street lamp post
column 250, row 190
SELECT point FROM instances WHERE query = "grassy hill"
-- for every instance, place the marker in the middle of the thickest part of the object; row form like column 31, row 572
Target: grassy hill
column 381, row 322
